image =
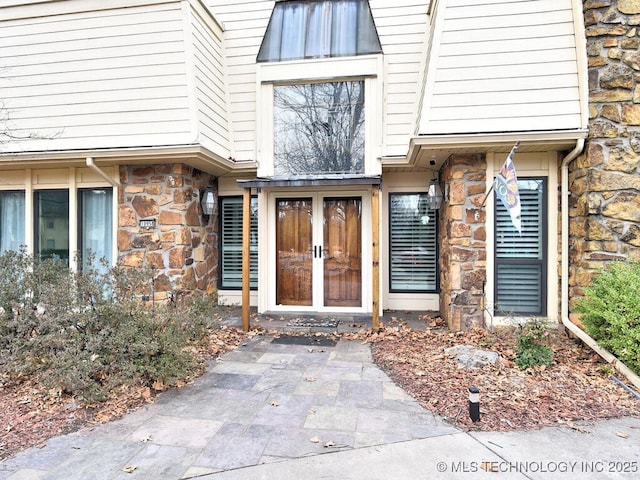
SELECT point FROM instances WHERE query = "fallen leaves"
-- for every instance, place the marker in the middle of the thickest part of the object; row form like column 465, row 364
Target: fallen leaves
column 329, row 444
column 577, row 428
column 31, row 414
column 576, row 387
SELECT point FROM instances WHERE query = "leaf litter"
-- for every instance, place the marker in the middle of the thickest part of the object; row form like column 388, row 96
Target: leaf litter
column 576, row 389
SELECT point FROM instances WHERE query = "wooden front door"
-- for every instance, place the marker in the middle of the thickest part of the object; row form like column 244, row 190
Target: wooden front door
column 294, row 247
column 319, row 252
column 342, row 252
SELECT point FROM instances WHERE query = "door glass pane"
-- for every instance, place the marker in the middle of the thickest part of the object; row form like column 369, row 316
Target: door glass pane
column 520, row 257
column 342, row 248
column 11, row 221
column 319, row 128
column 52, row 224
column 231, row 242
column 294, row 251
column 96, row 225
column 412, row 245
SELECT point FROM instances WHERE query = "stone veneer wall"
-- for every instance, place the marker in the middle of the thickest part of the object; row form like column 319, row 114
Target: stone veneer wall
column 462, row 241
column 181, row 249
column 604, row 181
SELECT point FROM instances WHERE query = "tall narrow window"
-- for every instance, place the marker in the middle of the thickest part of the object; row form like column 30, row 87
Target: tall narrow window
column 96, row 225
column 231, row 242
column 412, row 244
column 319, row 28
column 52, row 224
column 521, row 258
column 11, row 221
column 319, row 128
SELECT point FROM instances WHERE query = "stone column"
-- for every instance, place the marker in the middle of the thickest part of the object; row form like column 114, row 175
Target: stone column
column 181, row 249
column 462, row 242
column 604, row 182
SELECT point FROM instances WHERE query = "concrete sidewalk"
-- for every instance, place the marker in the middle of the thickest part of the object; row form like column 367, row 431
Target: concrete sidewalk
column 277, row 409
column 550, row 453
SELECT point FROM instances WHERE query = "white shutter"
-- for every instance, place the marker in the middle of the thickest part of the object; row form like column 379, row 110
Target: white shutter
column 231, row 243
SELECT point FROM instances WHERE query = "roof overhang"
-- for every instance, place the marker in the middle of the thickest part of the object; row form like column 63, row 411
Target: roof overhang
column 431, row 151
column 195, row 155
column 310, row 181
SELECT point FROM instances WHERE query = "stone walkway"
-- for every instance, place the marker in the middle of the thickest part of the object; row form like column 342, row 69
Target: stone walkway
column 262, row 403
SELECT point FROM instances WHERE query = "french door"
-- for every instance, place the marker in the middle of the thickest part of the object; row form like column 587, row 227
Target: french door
column 318, row 250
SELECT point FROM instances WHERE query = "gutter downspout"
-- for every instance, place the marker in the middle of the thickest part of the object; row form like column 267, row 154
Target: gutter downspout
column 564, row 255
column 112, row 181
column 564, row 309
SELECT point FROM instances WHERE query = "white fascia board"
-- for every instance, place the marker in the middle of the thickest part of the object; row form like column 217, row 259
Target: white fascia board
column 195, row 155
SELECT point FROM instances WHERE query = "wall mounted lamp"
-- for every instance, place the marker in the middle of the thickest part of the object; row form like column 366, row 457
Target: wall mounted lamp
column 208, row 202
column 434, row 195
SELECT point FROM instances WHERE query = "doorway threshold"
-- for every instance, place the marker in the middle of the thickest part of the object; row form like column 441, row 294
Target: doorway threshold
column 323, row 322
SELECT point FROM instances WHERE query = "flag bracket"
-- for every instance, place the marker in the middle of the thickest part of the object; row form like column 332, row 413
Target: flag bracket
column 505, row 185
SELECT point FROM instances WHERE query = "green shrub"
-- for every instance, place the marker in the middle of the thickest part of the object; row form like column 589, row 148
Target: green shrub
column 530, row 348
column 88, row 332
column 611, row 311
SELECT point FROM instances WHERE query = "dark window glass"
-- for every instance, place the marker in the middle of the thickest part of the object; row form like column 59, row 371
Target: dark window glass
column 52, row 224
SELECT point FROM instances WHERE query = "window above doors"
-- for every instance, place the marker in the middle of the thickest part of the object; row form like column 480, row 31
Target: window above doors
column 319, row 128
column 319, row 29
column 345, row 91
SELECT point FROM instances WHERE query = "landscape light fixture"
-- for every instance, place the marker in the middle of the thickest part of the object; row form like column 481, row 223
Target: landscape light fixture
column 474, row 404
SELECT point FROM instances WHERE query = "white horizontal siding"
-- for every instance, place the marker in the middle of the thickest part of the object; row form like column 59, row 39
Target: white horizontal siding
column 244, row 25
column 500, row 66
column 96, row 79
column 402, row 27
column 210, row 82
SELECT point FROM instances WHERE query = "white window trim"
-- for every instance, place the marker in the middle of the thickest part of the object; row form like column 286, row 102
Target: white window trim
column 69, row 178
column 541, row 164
column 267, row 263
column 367, row 67
column 402, row 183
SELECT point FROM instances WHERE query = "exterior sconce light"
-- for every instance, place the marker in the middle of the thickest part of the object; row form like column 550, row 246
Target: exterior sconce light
column 474, row 404
column 208, row 202
column 434, row 195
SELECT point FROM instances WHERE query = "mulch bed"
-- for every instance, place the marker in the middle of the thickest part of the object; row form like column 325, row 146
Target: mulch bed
column 577, row 387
